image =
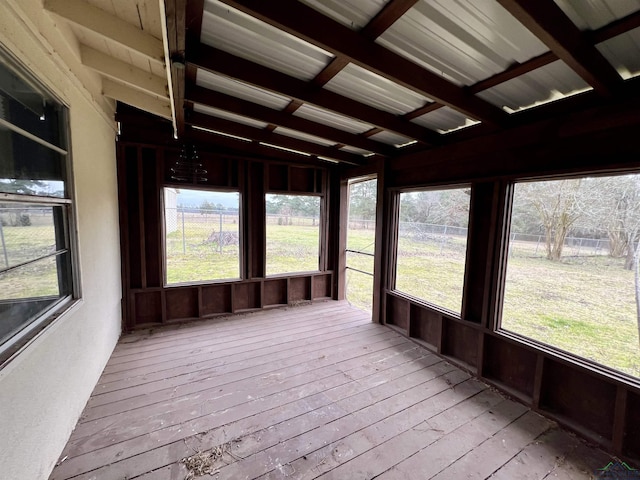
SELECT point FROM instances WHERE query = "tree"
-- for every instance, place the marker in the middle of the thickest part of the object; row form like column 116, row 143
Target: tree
column 206, row 207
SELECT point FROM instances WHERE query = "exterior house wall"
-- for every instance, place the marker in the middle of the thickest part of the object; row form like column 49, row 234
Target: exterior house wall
column 43, row 389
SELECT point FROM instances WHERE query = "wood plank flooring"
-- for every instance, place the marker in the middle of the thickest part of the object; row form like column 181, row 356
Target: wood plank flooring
column 315, row 391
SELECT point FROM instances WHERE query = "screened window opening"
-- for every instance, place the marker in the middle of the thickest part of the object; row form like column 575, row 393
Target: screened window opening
column 292, row 233
column 36, row 274
column 572, row 278
column 432, row 246
column 202, row 235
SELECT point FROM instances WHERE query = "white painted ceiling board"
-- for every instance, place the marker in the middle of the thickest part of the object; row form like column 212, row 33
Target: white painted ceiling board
column 144, row 14
column 465, row 41
column 593, row 14
column 354, row 14
column 240, row 34
column 371, row 89
column 335, row 120
column 216, row 112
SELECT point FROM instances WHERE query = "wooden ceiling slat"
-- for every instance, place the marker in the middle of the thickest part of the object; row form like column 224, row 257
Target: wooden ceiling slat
column 306, row 23
column 282, row 118
column 386, row 17
column 217, row 61
column 550, row 24
column 259, row 135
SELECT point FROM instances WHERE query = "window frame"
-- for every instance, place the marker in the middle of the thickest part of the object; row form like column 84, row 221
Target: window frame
column 30, row 331
column 393, row 244
column 241, row 234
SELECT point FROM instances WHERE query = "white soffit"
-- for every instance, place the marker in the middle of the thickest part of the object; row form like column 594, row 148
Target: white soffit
column 242, row 35
column 593, row 14
column 623, row 52
column 546, row 84
column 371, row 89
column 354, row 14
column 356, row 150
column 304, row 136
column 465, row 41
column 215, row 112
column 444, row 120
column 391, row 138
column 241, row 90
column 335, row 120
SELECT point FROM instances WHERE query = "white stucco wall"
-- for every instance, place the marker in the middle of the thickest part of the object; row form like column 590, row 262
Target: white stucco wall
column 45, row 388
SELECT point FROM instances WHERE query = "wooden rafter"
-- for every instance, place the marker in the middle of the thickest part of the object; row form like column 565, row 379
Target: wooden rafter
column 217, row 61
column 386, row 17
column 550, row 24
column 282, row 118
column 132, row 96
column 175, row 11
column 260, row 135
column 304, row 22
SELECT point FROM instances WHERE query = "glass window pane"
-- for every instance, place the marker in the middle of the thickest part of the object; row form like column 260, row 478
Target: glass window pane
column 432, row 246
column 572, row 266
column 28, row 290
column 27, row 232
column 42, row 121
column 202, row 235
column 293, row 233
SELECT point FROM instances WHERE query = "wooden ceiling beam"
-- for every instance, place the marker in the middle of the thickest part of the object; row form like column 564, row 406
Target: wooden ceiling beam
column 550, row 24
column 217, row 61
column 386, row 17
column 618, row 27
column 259, row 135
column 175, row 14
column 135, row 98
column 284, row 119
column 306, row 23
column 114, row 29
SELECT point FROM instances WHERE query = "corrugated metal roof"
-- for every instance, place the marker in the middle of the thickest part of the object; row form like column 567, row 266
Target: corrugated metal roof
column 592, row 14
column 241, row 90
column 545, row 84
column 391, row 138
column 237, row 33
column 623, row 52
column 356, row 150
column 215, row 112
column 354, row 14
column 304, row 136
column 367, row 87
column 444, row 120
column 463, row 40
column 326, row 117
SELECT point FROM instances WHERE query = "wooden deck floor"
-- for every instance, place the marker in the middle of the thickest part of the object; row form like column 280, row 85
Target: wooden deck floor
column 301, row 393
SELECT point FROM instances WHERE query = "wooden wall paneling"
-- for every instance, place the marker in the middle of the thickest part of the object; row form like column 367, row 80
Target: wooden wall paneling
column 246, row 296
column 182, row 303
column 510, row 365
column 151, row 212
column 581, row 400
column 133, row 216
column 379, row 270
column 398, row 310
column 125, row 268
column 631, row 441
column 620, row 412
column 460, row 342
column 299, row 289
column 142, row 251
column 537, row 380
column 339, row 208
column 321, row 286
column 218, row 169
column 328, row 247
column 148, row 307
column 216, row 299
column 426, row 326
column 255, row 213
column 278, row 177
column 275, row 292
column 391, row 205
column 302, row 180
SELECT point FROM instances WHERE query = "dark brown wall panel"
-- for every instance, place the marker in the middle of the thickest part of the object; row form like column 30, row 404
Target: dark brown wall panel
column 509, row 364
column 275, row 292
column 579, row 397
column 426, row 325
column 152, row 227
column 216, row 299
column 631, row 443
column 133, row 211
column 460, row 342
column 322, row 286
column 397, row 311
column 278, row 177
column 299, row 289
column 302, row 179
column 148, row 307
column 246, row 296
column 182, row 303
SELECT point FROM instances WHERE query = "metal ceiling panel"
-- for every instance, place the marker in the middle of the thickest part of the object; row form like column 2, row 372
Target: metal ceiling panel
column 623, row 52
column 444, row 120
column 215, row 112
column 356, row 150
column 546, row 84
column 367, row 87
column 391, row 138
column 592, row 14
column 241, row 90
column 465, row 41
column 354, row 14
column 304, row 136
column 326, row 117
column 242, row 35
